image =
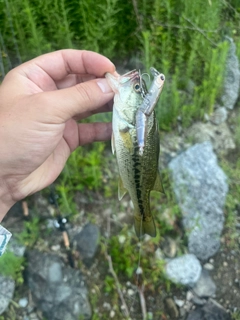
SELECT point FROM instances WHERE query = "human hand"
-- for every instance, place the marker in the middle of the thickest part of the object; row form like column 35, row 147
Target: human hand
column 40, row 102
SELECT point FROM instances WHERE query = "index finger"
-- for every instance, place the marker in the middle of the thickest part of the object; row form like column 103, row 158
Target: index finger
column 59, row 64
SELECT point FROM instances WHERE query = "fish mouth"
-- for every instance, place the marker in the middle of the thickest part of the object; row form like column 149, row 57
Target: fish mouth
column 131, row 75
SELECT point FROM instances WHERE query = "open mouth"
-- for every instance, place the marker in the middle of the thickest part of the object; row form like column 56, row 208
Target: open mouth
column 131, row 75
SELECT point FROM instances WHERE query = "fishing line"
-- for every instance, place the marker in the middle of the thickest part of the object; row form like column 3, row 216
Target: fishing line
column 138, row 271
column 148, row 76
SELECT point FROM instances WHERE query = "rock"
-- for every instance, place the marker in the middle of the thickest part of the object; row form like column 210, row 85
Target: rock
column 16, row 247
column 220, row 136
column 198, row 301
column 87, row 242
column 58, row 290
column 7, row 286
column 208, row 266
column 23, row 302
column 205, row 287
column 185, row 270
column 219, row 115
column 171, row 308
column 169, row 247
column 170, row 146
column 210, row 311
column 232, row 77
column 159, row 254
column 200, row 186
column 179, row 302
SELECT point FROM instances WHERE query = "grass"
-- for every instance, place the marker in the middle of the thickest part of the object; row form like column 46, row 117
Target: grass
column 12, row 266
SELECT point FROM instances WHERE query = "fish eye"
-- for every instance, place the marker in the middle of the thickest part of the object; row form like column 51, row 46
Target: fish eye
column 162, row 77
column 137, row 87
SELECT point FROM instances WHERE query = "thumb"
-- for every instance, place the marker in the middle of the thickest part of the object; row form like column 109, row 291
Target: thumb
column 83, row 99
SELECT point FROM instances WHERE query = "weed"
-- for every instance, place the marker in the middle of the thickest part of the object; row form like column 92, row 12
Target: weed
column 31, row 232
column 236, row 315
column 12, row 266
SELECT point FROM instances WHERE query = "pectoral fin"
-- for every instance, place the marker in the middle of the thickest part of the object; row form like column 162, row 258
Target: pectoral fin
column 121, row 189
column 158, row 184
column 113, row 144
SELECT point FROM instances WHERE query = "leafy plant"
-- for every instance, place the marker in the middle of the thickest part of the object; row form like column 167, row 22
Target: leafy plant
column 12, row 266
column 31, row 232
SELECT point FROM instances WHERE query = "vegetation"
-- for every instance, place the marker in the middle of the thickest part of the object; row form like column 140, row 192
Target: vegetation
column 185, row 40
column 12, row 266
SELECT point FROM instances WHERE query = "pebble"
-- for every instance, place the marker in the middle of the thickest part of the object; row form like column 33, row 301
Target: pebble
column 169, row 247
column 225, row 264
column 56, row 247
column 112, row 314
column 159, row 254
column 208, row 266
column 171, row 308
column 179, row 303
column 107, row 305
column 130, row 292
column 189, row 295
column 219, row 115
column 205, row 287
column 121, row 239
column 23, row 302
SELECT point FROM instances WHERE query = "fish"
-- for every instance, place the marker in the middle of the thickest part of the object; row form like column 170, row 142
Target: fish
column 138, row 171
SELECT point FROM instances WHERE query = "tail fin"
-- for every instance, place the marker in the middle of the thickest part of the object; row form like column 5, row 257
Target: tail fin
column 144, row 227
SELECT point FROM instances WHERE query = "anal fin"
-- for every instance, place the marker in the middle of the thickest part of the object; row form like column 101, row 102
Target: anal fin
column 158, row 184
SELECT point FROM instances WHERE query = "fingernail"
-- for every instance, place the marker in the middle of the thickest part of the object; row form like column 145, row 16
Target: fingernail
column 104, row 86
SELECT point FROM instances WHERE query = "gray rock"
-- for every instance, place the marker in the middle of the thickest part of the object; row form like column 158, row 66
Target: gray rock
column 16, row 247
column 58, row 290
column 185, row 270
column 219, row 115
column 220, row 136
column 232, row 77
column 210, row 311
column 205, row 287
column 170, row 146
column 200, row 186
column 87, row 242
column 7, row 286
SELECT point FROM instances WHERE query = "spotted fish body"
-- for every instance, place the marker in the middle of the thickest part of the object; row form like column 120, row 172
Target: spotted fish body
column 138, row 174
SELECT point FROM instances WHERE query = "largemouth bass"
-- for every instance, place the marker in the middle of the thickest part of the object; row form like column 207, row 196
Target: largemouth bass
column 138, row 171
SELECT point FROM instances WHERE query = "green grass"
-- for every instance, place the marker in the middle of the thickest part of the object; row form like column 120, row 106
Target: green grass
column 12, row 266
